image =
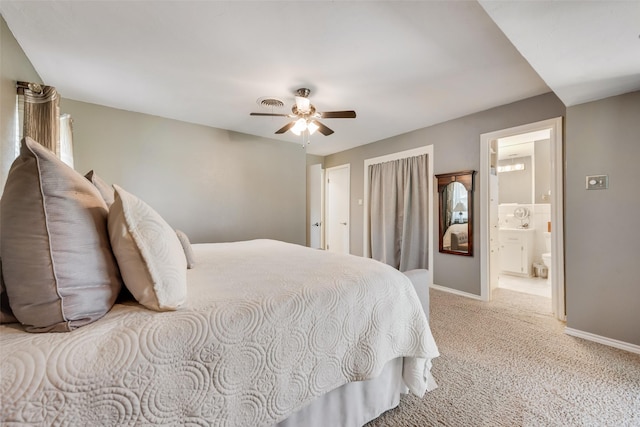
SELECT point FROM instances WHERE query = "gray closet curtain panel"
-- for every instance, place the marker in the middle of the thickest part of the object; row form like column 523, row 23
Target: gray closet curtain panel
column 398, row 214
column 41, row 114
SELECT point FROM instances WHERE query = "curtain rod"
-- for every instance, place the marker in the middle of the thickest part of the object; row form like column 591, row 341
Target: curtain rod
column 34, row 87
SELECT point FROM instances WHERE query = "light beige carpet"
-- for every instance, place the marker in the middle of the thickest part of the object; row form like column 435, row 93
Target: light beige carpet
column 508, row 363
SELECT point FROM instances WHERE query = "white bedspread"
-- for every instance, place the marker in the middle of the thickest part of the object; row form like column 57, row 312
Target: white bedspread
column 268, row 327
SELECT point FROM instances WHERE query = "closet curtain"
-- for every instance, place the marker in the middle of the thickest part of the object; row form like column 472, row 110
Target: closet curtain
column 398, row 213
column 41, row 114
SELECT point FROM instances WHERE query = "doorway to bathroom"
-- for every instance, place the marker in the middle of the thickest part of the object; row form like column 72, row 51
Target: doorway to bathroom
column 521, row 212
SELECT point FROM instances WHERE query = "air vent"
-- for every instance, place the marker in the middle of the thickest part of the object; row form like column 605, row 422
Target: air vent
column 269, row 102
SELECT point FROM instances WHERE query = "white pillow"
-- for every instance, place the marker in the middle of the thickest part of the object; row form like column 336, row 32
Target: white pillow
column 188, row 250
column 149, row 254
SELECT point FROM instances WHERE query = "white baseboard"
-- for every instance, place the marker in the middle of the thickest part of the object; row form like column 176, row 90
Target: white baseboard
column 455, row 291
column 603, row 340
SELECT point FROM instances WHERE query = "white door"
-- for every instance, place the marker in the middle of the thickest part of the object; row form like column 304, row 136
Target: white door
column 494, row 243
column 315, row 175
column 337, row 208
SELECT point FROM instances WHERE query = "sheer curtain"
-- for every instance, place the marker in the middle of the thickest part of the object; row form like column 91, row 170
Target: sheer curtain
column 66, row 139
column 398, row 213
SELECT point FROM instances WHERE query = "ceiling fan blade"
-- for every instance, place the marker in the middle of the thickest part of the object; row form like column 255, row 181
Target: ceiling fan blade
column 350, row 114
column 322, row 128
column 286, row 127
column 270, row 114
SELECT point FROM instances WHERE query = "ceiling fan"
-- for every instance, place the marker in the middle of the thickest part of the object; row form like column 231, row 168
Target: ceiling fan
column 306, row 117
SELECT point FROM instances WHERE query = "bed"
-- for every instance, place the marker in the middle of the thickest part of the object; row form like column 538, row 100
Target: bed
column 269, row 333
column 460, row 231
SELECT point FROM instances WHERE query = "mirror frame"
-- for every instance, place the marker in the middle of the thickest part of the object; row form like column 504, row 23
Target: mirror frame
column 466, row 178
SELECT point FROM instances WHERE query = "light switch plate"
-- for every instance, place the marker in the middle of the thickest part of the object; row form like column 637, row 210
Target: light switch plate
column 597, row 182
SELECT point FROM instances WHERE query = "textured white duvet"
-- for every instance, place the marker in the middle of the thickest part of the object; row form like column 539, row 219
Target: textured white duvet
column 268, row 326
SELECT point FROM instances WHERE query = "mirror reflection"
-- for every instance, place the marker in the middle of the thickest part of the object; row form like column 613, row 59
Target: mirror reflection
column 456, row 212
column 456, row 218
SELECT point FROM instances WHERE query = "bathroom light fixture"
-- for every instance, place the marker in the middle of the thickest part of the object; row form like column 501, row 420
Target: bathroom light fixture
column 511, row 168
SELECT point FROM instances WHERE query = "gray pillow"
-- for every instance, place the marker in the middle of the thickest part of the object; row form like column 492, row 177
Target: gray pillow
column 6, row 315
column 106, row 191
column 186, row 246
column 59, row 271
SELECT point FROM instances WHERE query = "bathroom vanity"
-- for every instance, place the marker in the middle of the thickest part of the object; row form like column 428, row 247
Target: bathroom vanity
column 517, row 248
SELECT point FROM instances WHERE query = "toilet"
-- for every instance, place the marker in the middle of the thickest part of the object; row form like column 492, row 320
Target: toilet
column 546, row 256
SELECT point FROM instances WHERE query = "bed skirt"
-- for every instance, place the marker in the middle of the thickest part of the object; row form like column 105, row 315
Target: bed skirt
column 354, row 404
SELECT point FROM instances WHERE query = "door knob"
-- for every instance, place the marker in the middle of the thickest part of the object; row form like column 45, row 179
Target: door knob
column 317, row 224
column 343, row 223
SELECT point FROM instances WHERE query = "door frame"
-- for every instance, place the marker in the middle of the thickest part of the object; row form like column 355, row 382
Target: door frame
column 327, row 204
column 321, row 189
column 557, row 208
column 428, row 150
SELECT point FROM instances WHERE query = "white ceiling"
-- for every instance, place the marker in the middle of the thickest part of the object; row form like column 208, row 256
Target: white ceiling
column 521, row 145
column 401, row 65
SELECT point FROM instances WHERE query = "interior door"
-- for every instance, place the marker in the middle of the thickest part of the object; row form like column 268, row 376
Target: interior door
column 337, row 188
column 315, row 180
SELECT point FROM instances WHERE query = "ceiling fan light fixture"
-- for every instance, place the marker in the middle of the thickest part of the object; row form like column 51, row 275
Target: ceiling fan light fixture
column 312, row 128
column 303, row 104
column 299, row 127
column 304, row 115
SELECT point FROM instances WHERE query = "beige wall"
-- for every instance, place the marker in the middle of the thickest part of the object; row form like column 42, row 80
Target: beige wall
column 215, row 185
column 456, row 146
column 14, row 66
column 601, row 226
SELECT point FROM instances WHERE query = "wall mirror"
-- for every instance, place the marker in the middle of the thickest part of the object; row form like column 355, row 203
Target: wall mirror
column 456, row 212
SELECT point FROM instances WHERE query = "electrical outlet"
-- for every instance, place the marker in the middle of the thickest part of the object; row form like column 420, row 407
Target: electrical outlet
column 597, row 182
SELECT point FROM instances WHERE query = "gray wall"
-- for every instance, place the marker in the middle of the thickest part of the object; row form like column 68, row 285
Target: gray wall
column 542, row 158
column 14, row 66
column 215, row 185
column 515, row 186
column 601, row 227
column 209, row 183
column 456, row 147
